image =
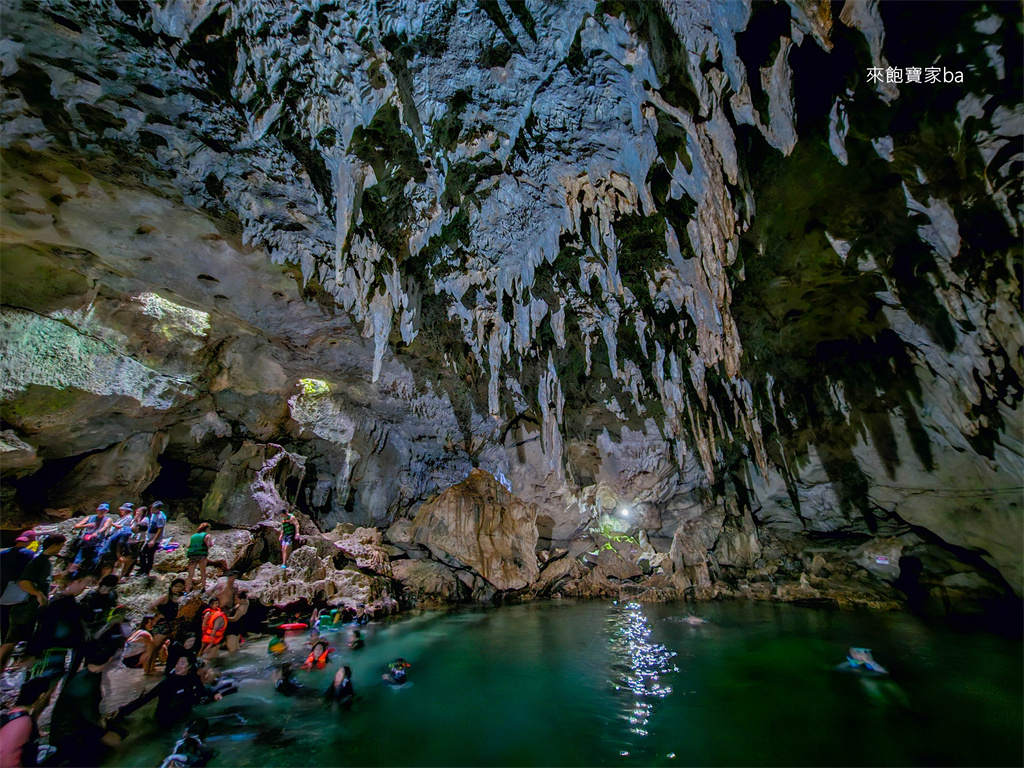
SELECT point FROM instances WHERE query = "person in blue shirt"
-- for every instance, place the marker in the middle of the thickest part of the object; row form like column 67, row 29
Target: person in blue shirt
column 155, row 532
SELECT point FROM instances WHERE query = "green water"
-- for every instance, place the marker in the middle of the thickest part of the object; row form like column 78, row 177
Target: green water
column 623, row 684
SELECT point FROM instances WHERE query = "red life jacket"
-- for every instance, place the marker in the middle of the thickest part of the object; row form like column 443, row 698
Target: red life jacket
column 319, row 662
column 212, row 634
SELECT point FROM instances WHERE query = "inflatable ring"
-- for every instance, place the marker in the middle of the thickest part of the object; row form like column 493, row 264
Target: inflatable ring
column 293, row 625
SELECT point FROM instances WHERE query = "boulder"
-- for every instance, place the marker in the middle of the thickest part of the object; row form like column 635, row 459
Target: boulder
column 426, row 580
column 250, row 485
column 557, row 573
column 399, row 534
column 617, row 562
column 738, row 544
column 316, row 580
column 695, row 538
column 880, row 557
column 17, row 457
column 363, row 545
column 118, row 474
column 230, row 548
column 480, row 525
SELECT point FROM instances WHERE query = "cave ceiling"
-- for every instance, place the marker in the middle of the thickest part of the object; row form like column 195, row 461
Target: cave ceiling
column 703, row 227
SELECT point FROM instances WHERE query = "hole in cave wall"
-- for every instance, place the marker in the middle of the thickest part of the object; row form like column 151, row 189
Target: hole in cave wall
column 180, row 485
column 32, row 492
column 545, row 530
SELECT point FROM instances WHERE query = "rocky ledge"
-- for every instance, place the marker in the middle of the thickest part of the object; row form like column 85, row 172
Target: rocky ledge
column 476, row 542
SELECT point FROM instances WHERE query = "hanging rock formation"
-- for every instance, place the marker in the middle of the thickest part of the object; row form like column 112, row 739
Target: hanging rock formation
column 655, row 257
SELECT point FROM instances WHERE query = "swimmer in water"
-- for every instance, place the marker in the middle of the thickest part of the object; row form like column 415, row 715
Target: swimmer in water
column 284, row 680
column 340, row 690
column 354, row 640
column 396, row 674
column 861, row 659
column 319, row 656
column 189, row 750
column 695, row 620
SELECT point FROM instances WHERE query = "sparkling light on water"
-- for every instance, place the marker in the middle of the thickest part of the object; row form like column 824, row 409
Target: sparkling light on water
column 642, row 664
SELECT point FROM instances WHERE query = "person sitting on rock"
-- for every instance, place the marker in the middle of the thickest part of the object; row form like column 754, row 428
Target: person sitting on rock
column 94, row 531
column 96, row 525
column 215, row 624
column 198, row 552
column 116, row 544
column 140, row 642
column 166, row 608
column 289, row 532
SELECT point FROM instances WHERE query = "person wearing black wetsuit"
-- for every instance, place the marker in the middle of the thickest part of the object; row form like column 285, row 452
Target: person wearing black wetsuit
column 76, row 728
column 60, row 627
column 175, row 695
column 340, row 690
column 186, row 648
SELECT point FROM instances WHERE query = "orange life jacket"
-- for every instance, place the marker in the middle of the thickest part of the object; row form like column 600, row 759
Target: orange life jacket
column 319, row 662
column 213, row 634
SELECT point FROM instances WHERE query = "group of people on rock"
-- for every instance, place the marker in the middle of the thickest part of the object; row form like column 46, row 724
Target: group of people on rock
column 70, row 631
column 70, row 627
column 104, row 552
column 120, row 541
column 69, row 636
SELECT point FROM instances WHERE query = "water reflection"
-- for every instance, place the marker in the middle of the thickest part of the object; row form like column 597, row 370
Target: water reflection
column 639, row 664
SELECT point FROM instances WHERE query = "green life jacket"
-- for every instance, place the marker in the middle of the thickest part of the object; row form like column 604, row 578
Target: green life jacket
column 197, row 545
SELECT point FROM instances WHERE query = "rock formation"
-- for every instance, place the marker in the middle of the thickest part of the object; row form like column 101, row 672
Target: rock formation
column 745, row 276
column 479, row 525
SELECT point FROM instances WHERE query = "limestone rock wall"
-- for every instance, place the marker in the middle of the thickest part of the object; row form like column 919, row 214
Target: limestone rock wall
column 635, row 257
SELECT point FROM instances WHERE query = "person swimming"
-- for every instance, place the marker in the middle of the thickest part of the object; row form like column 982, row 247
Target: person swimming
column 284, row 680
column 860, row 659
column 340, row 690
column 396, row 674
column 318, row 656
column 189, row 750
column 354, row 639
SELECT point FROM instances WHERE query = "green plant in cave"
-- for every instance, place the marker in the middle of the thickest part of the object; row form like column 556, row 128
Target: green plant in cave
column 612, row 528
